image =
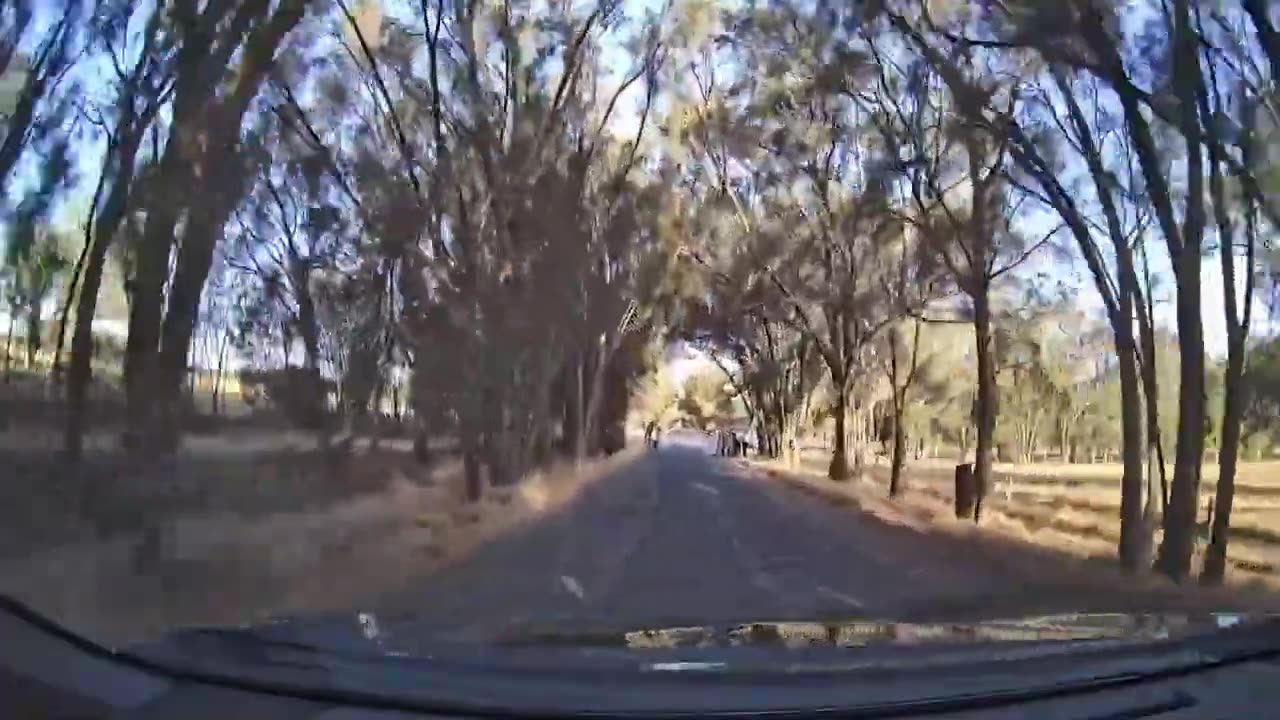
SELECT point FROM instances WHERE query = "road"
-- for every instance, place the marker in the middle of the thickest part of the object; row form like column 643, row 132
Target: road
column 683, row 537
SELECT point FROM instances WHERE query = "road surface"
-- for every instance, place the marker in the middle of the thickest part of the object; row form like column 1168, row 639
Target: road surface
column 683, row 537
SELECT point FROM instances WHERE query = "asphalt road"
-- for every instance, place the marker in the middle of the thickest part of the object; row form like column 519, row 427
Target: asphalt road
column 683, row 537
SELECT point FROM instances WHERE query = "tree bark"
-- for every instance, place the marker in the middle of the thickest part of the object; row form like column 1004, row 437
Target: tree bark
column 1215, row 560
column 838, row 470
column 985, row 406
column 219, row 383
column 1134, row 539
column 595, row 400
column 178, row 327
column 1180, row 520
column 34, row 318
column 80, row 369
column 473, row 486
column 8, row 344
column 65, row 312
column 1237, row 322
column 145, row 310
column 307, row 325
column 899, row 445
column 900, row 406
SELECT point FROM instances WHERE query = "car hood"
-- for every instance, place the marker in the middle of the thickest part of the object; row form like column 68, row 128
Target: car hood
column 735, row 668
column 366, row 633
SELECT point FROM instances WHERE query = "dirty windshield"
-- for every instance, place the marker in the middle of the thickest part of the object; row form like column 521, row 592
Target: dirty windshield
column 525, row 321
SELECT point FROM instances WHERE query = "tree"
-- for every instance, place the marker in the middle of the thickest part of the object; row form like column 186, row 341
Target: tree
column 656, row 399
column 704, row 400
column 37, row 109
column 956, row 173
column 160, row 327
column 782, row 157
column 35, row 263
column 142, row 90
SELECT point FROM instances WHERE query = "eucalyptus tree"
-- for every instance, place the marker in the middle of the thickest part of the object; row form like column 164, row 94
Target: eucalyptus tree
column 43, row 60
column 224, row 53
column 794, row 160
column 1176, row 89
column 510, row 203
column 958, row 193
column 141, row 82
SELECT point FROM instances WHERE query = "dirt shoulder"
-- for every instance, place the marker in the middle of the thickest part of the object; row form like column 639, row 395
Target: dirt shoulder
column 1044, row 570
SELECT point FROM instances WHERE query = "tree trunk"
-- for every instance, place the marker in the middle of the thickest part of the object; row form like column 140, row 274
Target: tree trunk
column 217, row 377
column 145, row 311
column 1134, row 539
column 33, row 334
column 307, row 325
column 76, row 272
column 8, row 344
column 838, row 470
column 472, row 484
column 1233, row 410
column 788, row 443
column 595, row 401
column 896, row 486
column 985, row 407
column 194, row 260
column 106, row 222
column 80, row 368
column 1180, row 520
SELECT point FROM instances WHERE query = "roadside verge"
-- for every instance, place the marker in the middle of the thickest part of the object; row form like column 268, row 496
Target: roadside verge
column 1043, row 567
column 225, row 569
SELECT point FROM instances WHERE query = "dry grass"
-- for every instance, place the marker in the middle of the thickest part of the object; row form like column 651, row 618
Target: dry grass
column 227, row 566
column 1075, row 508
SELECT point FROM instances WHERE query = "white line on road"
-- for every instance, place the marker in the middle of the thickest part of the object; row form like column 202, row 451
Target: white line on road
column 687, row 666
column 706, row 488
column 573, row 586
column 847, row 599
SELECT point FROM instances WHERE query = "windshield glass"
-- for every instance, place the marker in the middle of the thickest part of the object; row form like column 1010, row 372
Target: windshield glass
column 543, row 323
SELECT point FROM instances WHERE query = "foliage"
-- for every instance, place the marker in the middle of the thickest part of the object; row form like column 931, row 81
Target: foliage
column 704, row 402
column 655, row 399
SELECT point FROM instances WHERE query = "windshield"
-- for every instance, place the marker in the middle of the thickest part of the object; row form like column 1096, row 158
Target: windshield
column 542, row 323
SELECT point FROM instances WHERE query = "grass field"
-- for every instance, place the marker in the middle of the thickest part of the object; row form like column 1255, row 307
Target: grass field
column 1077, row 506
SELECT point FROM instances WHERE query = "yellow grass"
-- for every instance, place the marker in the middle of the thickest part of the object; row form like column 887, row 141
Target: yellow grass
column 1264, row 472
column 1076, row 507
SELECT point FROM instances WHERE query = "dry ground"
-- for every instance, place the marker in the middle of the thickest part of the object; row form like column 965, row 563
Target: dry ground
column 238, row 527
column 1076, row 507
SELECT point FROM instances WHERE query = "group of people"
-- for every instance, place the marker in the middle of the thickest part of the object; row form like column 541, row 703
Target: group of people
column 730, row 444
